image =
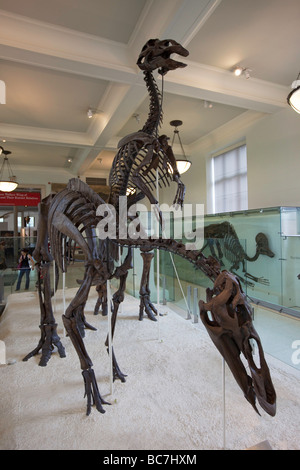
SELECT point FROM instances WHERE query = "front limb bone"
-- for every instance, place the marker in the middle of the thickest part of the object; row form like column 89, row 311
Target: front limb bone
column 180, row 193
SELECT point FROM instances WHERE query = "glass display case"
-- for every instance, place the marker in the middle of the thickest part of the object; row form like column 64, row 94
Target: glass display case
column 275, row 264
column 261, row 246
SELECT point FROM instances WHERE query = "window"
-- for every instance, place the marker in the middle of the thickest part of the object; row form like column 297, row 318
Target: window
column 229, row 178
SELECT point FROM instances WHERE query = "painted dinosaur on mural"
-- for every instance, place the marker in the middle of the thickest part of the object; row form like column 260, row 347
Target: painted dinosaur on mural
column 223, row 242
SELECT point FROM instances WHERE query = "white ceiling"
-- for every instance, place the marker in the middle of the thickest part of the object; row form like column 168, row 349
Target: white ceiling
column 59, row 58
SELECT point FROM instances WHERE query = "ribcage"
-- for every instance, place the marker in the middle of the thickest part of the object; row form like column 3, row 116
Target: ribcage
column 72, row 220
column 127, row 160
column 232, row 249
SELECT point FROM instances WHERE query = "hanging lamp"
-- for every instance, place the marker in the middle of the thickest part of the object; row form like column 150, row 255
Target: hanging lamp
column 183, row 164
column 293, row 98
column 7, row 184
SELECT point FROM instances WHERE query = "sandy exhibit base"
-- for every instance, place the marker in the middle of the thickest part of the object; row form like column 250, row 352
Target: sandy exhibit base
column 172, row 399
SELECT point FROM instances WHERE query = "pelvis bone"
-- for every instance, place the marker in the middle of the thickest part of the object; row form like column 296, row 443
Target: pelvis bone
column 231, row 329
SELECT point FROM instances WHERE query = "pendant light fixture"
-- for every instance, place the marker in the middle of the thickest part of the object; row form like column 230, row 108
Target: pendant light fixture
column 183, row 164
column 293, row 98
column 6, row 184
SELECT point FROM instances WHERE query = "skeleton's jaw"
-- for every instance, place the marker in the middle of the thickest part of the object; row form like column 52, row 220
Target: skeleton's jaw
column 262, row 381
column 231, row 329
column 259, row 385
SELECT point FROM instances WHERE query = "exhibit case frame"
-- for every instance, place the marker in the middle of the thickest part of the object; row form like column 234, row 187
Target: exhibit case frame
column 281, row 225
column 270, row 282
column 271, row 279
column 173, row 281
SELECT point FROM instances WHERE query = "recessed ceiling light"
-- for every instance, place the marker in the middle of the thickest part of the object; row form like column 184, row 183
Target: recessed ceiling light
column 92, row 111
column 238, row 71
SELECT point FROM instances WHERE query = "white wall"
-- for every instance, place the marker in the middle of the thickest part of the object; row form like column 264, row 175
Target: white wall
column 273, row 157
column 273, row 149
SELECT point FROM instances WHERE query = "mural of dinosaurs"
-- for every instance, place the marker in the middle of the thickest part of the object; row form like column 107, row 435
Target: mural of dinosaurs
column 224, row 237
column 75, row 214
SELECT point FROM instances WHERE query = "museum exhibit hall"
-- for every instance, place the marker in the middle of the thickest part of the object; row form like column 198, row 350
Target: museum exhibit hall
column 149, row 227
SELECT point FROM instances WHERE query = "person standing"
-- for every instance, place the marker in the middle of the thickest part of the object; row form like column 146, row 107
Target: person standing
column 24, row 268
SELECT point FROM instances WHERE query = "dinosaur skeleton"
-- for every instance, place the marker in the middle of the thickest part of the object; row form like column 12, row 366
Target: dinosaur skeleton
column 73, row 216
column 223, row 237
column 145, row 159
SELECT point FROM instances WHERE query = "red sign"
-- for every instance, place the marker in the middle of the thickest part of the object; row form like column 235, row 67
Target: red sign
column 19, row 199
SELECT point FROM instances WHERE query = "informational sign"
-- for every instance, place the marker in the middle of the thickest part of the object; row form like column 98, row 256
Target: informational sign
column 26, row 199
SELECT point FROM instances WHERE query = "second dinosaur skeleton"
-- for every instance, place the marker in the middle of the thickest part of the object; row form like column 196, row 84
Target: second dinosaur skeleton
column 224, row 238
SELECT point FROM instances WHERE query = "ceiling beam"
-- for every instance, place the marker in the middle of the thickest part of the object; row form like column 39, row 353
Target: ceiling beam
column 47, row 41
column 37, row 43
column 222, row 86
column 41, row 44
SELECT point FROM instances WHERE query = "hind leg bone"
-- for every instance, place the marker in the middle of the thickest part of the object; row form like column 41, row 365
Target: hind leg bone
column 70, row 322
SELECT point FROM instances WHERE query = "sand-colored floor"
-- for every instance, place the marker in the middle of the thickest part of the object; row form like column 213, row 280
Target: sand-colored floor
column 172, row 398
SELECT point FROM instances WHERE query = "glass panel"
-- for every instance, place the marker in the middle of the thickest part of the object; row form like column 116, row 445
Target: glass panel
column 10, row 248
column 261, row 246
column 9, row 258
column 279, row 334
column 182, row 278
column 260, row 231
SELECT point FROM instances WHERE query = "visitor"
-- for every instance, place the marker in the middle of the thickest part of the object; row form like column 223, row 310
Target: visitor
column 24, row 268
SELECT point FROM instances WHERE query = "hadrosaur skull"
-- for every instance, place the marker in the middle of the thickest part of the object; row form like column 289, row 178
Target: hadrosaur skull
column 231, row 329
column 156, row 55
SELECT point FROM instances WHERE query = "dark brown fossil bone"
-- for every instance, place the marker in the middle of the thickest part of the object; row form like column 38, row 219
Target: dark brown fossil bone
column 73, row 215
column 145, row 157
column 231, row 329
